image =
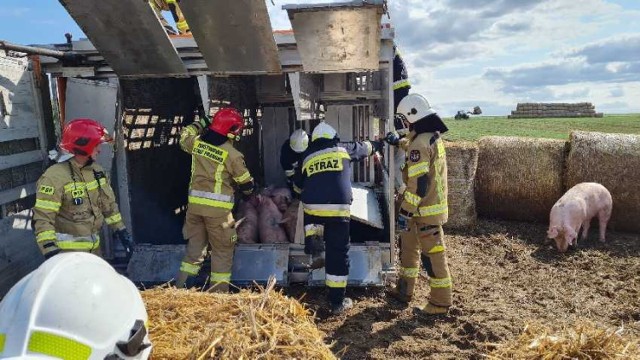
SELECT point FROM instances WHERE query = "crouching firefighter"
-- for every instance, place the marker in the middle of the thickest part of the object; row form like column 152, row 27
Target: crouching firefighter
column 291, row 159
column 215, row 167
column 424, row 207
column 326, row 200
column 74, row 197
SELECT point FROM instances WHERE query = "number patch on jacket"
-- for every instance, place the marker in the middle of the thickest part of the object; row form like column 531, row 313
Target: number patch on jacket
column 47, row 190
column 322, row 165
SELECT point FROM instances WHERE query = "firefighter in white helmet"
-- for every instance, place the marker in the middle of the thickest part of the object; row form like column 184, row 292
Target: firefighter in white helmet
column 291, row 158
column 74, row 306
column 424, row 207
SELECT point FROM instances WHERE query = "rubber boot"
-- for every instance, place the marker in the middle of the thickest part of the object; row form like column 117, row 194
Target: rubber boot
column 403, row 291
column 181, row 279
column 338, row 302
column 431, row 309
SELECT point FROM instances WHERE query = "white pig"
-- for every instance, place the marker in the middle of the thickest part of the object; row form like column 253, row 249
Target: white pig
column 269, row 222
column 248, row 229
column 575, row 209
column 282, row 198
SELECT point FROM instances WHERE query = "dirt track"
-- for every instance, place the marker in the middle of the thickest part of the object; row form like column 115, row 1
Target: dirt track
column 505, row 275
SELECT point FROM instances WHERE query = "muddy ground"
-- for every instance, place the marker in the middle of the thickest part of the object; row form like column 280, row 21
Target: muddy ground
column 505, row 275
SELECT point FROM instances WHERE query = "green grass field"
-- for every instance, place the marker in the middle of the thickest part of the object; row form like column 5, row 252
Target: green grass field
column 552, row 128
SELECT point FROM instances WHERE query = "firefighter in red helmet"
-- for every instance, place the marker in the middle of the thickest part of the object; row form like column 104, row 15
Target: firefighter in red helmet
column 74, row 197
column 216, row 168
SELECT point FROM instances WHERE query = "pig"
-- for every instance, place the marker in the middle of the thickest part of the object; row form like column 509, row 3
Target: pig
column 291, row 220
column 247, row 230
column 269, row 222
column 576, row 208
column 282, row 198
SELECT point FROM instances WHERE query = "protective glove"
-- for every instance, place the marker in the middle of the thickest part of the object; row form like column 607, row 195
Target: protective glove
column 378, row 146
column 125, row 239
column 392, row 138
column 402, row 222
column 204, row 121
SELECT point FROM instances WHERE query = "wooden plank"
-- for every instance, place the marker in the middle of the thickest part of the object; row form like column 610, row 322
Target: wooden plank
column 9, row 161
column 275, row 130
column 17, row 193
column 18, row 133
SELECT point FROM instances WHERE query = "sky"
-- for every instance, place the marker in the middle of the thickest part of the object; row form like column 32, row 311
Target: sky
column 463, row 53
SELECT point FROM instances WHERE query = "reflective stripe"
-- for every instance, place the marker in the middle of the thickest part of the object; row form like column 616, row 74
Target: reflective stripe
column 418, row 169
column 436, row 209
column 78, row 245
column 440, row 283
column 441, row 150
column 212, row 203
column 220, row 277
column 190, row 130
column 411, row 198
column 46, row 235
column 68, row 237
column 217, row 184
column 400, row 84
column 3, row 338
column 290, row 173
column 93, row 185
column 182, row 25
column 436, row 249
column 191, row 269
column 57, row 346
column 328, row 210
column 369, row 147
column 336, row 281
column 313, row 229
column 212, row 196
column 113, row 219
column 410, row 272
column 242, row 178
column 80, row 186
column 48, row 205
column 297, row 189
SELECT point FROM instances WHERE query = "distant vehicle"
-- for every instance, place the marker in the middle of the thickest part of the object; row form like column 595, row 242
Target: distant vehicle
column 464, row 115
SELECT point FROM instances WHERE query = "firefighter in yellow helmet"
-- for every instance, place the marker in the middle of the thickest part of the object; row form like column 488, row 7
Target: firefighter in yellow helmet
column 424, row 207
column 74, row 197
column 216, row 166
column 170, row 5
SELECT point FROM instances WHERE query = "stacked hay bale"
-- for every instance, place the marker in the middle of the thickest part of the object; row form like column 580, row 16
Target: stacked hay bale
column 519, row 178
column 551, row 110
column 189, row 324
column 612, row 160
column 584, row 340
column 462, row 162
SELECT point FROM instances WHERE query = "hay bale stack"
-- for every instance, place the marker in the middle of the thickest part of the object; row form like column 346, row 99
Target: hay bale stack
column 462, row 162
column 612, row 160
column 582, row 341
column 189, row 324
column 519, row 178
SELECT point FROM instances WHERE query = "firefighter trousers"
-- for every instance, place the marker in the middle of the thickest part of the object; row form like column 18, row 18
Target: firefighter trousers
column 425, row 243
column 336, row 245
column 202, row 231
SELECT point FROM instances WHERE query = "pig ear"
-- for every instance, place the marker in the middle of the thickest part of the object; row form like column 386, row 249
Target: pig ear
column 552, row 232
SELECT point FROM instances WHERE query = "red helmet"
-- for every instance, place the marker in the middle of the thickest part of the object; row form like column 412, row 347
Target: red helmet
column 82, row 136
column 227, row 122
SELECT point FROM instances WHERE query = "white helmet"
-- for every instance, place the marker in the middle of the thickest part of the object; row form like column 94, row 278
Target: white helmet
column 299, row 140
column 74, row 306
column 414, row 107
column 323, row 131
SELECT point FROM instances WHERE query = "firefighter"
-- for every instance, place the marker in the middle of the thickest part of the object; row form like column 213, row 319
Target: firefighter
column 74, row 197
column 159, row 6
column 424, row 207
column 326, row 201
column 74, row 306
column 401, row 87
column 290, row 158
column 215, row 166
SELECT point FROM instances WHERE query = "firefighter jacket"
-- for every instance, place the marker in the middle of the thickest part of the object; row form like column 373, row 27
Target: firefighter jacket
column 72, row 203
column 326, row 176
column 401, row 84
column 214, row 170
column 425, row 175
column 290, row 162
column 170, row 5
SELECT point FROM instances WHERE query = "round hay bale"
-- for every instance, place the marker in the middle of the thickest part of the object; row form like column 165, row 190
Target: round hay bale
column 519, row 178
column 462, row 162
column 612, row 160
column 190, row 324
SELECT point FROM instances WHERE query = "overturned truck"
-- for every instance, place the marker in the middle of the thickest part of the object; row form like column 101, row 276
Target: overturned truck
column 334, row 65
